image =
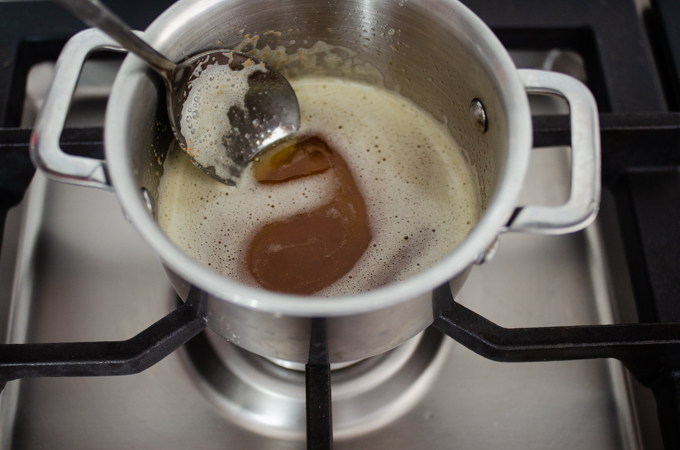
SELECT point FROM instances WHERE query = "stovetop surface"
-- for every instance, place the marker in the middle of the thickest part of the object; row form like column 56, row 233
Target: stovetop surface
column 85, row 275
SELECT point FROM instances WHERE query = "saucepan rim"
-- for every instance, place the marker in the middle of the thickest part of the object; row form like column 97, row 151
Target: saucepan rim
column 499, row 210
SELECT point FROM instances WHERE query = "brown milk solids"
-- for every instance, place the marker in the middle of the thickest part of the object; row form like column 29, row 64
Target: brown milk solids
column 310, row 251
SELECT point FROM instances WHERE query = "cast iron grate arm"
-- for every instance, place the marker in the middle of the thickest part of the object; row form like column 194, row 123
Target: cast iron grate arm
column 651, row 351
column 87, row 359
column 318, row 389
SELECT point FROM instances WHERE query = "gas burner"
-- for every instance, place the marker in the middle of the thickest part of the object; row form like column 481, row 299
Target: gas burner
column 267, row 398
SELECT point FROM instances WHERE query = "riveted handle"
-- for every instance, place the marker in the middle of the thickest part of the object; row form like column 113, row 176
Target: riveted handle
column 45, row 150
column 584, row 200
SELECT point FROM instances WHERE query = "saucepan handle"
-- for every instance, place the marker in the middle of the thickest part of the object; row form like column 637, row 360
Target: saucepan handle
column 45, row 150
column 584, row 200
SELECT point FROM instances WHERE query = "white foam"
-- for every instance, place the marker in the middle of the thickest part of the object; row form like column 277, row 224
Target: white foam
column 204, row 114
column 414, row 178
column 321, row 59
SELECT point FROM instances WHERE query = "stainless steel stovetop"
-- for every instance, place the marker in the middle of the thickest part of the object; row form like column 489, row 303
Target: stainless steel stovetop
column 81, row 273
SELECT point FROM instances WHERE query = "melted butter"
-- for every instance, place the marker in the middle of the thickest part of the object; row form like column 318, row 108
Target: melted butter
column 420, row 194
column 308, row 252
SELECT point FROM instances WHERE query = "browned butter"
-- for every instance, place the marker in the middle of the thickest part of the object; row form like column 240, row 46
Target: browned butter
column 310, row 251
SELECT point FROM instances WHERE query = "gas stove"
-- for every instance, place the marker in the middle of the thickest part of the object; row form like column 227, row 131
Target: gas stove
column 72, row 269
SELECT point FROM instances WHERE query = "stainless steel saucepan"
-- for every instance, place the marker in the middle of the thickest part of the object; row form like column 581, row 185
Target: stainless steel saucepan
column 436, row 52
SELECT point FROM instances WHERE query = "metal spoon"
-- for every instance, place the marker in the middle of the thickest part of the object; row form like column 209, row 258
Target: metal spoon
column 270, row 113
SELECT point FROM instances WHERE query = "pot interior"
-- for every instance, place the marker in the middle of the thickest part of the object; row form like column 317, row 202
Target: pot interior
column 436, row 53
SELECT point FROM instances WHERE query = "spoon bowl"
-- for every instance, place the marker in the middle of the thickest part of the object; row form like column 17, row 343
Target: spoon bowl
column 263, row 113
column 259, row 109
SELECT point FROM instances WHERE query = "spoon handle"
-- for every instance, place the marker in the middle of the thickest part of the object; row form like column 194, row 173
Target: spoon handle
column 95, row 14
